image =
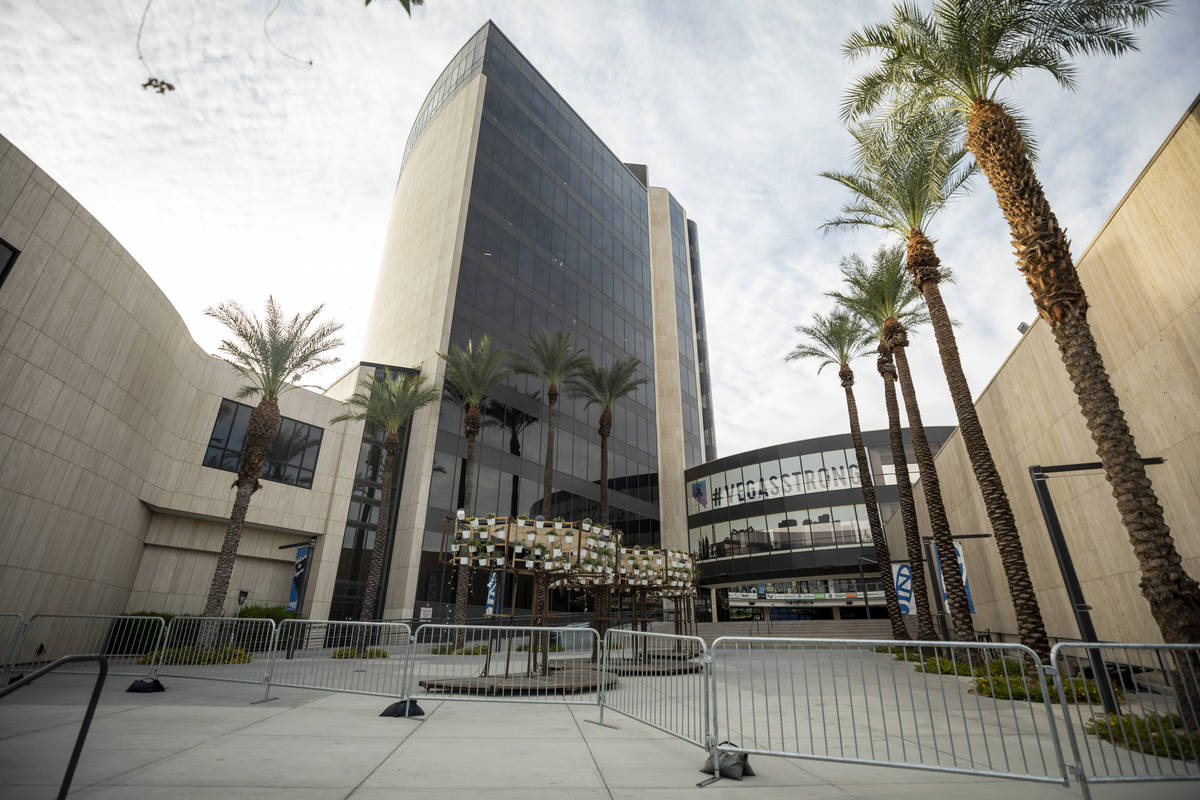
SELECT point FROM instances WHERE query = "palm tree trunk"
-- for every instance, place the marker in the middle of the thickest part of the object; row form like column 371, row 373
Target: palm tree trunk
column 462, row 589
column 908, row 510
column 541, row 580
column 924, row 264
column 883, row 558
column 260, row 432
column 956, row 593
column 379, row 551
column 605, row 432
column 1044, row 256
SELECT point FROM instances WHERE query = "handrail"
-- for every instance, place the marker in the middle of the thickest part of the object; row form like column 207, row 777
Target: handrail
column 87, row 717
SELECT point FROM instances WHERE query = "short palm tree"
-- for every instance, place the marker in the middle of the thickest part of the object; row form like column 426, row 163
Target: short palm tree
column 888, row 305
column 272, row 355
column 907, row 169
column 603, row 387
column 837, row 340
column 553, row 359
column 387, row 404
column 472, row 373
column 962, row 53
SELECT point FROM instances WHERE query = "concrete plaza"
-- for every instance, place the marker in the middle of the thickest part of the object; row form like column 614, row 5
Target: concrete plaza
column 202, row 739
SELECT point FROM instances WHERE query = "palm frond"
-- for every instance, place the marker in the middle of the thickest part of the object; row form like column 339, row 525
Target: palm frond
column 603, row 386
column 474, row 371
column 388, row 402
column 835, row 339
column 880, row 291
column 552, row 357
column 274, row 354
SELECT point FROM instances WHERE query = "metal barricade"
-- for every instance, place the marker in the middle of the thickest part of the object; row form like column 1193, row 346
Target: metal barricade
column 659, row 679
column 11, row 628
column 216, row 649
column 354, row 657
column 505, row 664
column 951, row 707
column 128, row 642
column 1134, row 713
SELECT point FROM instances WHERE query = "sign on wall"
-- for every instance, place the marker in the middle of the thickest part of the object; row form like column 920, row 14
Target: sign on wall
column 962, row 566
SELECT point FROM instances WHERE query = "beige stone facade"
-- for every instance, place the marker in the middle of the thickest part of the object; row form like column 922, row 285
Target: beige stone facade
column 1142, row 277
column 106, row 407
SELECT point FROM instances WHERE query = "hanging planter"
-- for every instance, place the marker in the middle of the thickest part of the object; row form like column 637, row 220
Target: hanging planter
column 558, row 523
column 500, row 561
column 474, row 523
column 537, row 523
column 531, row 536
column 586, row 524
column 454, row 548
column 482, row 562
column 521, row 522
column 491, row 548
column 464, row 561
column 570, row 537
column 529, row 562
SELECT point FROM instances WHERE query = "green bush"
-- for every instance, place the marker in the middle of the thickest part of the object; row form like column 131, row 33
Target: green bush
column 221, row 654
column 976, row 668
column 1018, row 687
column 350, row 652
column 554, row 648
column 448, row 649
column 1157, row 734
column 276, row 613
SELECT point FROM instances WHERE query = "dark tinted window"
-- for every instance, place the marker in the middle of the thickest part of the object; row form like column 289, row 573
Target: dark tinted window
column 291, row 459
column 8, row 256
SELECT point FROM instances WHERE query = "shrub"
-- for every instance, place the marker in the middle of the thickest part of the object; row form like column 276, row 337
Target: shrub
column 221, row 654
column 276, row 613
column 1157, row 734
column 975, row 668
column 448, row 649
column 1018, row 687
column 350, row 652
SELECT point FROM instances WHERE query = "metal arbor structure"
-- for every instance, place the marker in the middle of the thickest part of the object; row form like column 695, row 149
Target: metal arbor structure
column 573, row 555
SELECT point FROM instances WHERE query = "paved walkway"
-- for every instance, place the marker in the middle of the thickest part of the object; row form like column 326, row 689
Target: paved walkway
column 202, row 739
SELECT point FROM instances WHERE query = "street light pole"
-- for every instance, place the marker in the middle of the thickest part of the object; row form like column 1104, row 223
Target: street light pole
column 1066, row 566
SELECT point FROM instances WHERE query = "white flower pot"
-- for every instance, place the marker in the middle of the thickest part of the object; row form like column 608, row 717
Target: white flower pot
column 474, row 523
column 531, row 536
column 537, row 523
column 491, row 548
column 587, row 526
column 500, row 561
column 464, row 561
column 529, row 563
column 521, row 523
column 558, row 526
column 454, row 548
column 569, row 538
column 557, row 553
column 482, row 562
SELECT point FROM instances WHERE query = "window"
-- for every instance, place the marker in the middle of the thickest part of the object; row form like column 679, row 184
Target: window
column 291, row 458
column 8, row 257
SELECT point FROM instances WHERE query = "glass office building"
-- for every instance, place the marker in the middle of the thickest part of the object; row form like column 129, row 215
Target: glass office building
column 544, row 228
column 783, row 529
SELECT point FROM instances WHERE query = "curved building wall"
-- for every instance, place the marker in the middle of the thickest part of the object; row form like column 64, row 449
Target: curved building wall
column 788, row 513
column 106, row 410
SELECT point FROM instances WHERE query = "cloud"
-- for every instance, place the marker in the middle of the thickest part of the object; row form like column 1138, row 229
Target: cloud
column 263, row 175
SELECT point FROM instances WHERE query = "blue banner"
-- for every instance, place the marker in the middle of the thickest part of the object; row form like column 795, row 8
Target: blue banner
column 491, row 598
column 962, row 567
column 297, row 577
column 902, row 576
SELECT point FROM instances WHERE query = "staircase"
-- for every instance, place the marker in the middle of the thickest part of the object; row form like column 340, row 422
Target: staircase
column 799, row 629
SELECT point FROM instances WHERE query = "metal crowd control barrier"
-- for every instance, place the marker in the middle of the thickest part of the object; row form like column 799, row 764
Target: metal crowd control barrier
column 1148, row 729
column 217, row 649
column 505, row 664
column 846, row 701
column 658, row 679
column 128, row 642
column 354, row 657
column 11, row 628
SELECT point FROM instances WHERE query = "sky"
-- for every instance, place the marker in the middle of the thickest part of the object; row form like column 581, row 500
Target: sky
column 263, row 173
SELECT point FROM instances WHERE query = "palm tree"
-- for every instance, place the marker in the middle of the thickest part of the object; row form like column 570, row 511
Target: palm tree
column 907, row 169
column 839, row 339
column 553, row 359
column 603, row 387
column 888, row 305
column 962, row 53
column 272, row 355
column 386, row 403
column 472, row 373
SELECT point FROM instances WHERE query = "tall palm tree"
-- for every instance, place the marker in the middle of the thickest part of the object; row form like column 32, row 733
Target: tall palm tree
column 386, row 403
column 272, row 355
column 603, row 387
column 553, row 359
column 837, row 340
column 962, row 53
column 906, row 170
column 472, row 373
column 888, row 305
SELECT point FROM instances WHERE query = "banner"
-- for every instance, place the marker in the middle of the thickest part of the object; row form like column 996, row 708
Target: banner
column 491, row 598
column 962, row 566
column 298, row 571
column 902, row 576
